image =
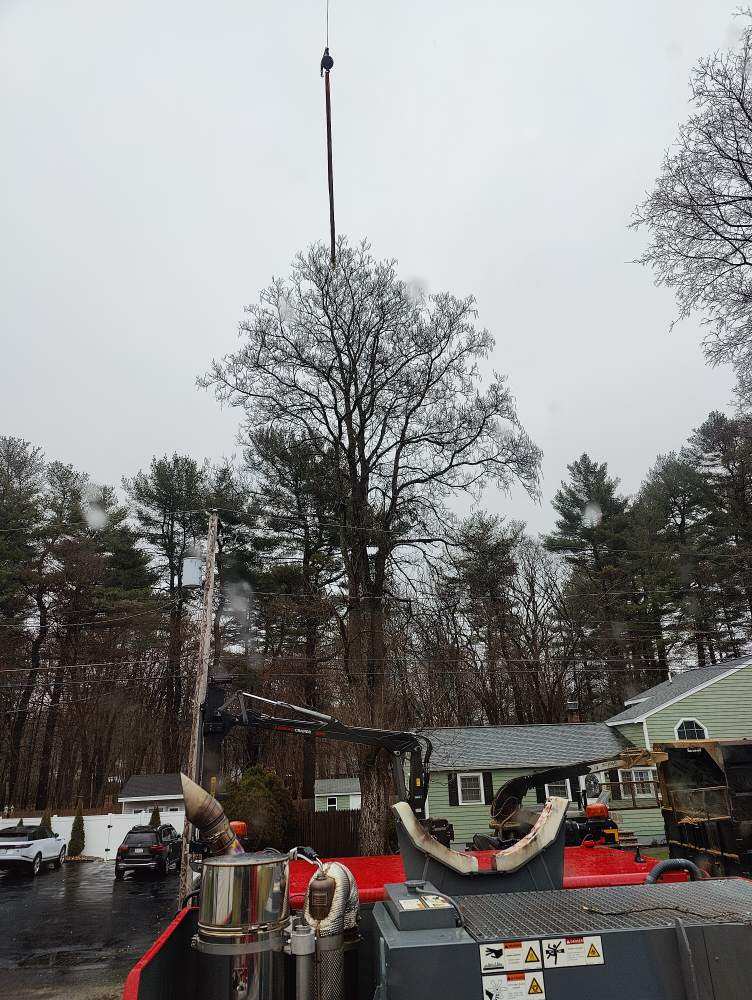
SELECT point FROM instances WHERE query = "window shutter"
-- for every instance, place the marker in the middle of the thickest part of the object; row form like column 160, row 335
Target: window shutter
column 454, row 798
column 540, row 793
column 487, row 788
column 613, row 777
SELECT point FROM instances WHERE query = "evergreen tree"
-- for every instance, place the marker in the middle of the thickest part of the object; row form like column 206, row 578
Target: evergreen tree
column 21, row 501
column 263, row 802
column 155, row 820
column 593, row 533
column 170, row 504
column 46, row 820
column 721, row 450
column 78, row 835
column 298, row 532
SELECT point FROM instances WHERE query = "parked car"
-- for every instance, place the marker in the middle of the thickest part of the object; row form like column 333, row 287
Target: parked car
column 30, row 847
column 148, row 848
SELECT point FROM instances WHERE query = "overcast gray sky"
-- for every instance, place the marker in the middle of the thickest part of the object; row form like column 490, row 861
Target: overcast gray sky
column 162, row 160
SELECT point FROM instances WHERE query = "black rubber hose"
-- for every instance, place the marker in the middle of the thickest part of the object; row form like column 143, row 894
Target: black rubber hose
column 673, row 865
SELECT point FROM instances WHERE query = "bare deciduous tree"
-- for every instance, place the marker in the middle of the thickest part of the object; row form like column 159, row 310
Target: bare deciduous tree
column 699, row 213
column 388, row 384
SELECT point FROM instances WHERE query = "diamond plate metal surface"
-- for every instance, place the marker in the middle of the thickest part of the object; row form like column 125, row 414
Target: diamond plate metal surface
column 515, row 915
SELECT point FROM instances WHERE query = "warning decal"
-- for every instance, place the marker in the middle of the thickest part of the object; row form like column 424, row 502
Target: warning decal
column 427, row 902
column 510, row 956
column 514, row 986
column 565, row 952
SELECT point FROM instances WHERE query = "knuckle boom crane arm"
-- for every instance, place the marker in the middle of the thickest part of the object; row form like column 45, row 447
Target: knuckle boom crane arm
column 403, row 747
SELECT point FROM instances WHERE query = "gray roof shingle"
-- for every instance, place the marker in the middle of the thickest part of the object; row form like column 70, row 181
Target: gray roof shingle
column 337, row 786
column 147, row 786
column 680, row 684
column 545, row 745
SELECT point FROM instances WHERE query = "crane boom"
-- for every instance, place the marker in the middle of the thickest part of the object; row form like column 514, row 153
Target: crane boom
column 403, row 747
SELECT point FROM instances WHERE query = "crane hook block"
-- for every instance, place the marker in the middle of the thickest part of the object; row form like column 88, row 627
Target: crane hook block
column 326, row 61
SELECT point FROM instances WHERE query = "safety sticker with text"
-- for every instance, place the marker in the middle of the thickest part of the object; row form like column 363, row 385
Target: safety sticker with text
column 427, row 902
column 564, row 952
column 510, row 956
column 514, row 986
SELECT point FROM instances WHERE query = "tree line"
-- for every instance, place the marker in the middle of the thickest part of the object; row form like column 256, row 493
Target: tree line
column 345, row 582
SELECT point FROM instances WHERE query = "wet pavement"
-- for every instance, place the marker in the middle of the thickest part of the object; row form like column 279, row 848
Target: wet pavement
column 74, row 934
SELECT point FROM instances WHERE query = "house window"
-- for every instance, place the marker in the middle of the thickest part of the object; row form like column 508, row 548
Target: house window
column 640, row 780
column 560, row 789
column 470, row 788
column 691, row 729
column 331, row 804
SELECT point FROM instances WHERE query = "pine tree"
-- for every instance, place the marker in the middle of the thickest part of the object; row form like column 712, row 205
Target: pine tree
column 593, row 534
column 46, row 820
column 170, row 502
column 78, row 835
column 155, row 819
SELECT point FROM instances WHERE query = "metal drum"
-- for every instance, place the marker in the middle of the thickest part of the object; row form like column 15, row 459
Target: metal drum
column 243, row 908
column 241, row 893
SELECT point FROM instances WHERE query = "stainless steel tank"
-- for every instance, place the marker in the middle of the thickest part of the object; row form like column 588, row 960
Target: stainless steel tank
column 243, row 909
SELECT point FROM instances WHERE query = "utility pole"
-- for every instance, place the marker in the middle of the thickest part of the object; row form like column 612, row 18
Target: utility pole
column 202, row 671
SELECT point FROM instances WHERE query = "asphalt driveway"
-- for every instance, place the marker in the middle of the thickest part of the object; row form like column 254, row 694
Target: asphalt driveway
column 75, row 933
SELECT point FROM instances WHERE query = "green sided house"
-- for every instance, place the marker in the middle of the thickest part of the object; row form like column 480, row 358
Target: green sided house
column 469, row 764
column 336, row 794
column 703, row 703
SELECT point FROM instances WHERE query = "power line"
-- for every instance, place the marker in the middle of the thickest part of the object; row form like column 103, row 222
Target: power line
column 96, row 622
column 80, row 666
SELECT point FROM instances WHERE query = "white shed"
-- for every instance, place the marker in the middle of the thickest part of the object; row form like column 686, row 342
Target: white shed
column 142, row 792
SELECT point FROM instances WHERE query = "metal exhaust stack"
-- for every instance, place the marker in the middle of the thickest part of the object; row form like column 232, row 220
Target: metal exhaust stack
column 243, row 912
column 208, row 816
column 243, row 906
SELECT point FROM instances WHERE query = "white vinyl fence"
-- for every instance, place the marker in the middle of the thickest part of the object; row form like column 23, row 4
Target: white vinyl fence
column 103, row 834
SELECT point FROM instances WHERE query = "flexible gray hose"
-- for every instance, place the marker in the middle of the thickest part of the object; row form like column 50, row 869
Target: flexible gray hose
column 673, row 865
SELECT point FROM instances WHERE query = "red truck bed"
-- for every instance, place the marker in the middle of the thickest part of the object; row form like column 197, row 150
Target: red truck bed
column 168, row 968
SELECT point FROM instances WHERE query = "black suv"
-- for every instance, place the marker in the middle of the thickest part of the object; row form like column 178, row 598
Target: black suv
column 148, row 848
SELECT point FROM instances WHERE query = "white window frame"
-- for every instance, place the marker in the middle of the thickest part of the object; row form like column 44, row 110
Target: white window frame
column 566, row 782
column 472, row 802
column 626, row 778
column 331, row 800
column 696, row 722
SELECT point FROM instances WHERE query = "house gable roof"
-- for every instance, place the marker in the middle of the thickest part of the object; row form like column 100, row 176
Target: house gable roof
column 337, row 786
column 679, row 687
column 151, row 786
column 504, row 747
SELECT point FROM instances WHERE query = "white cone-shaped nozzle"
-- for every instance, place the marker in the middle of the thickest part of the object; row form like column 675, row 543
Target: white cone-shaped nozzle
column 208, row 816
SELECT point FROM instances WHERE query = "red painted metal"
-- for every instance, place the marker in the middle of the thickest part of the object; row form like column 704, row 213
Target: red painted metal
column 583, row 866
column 132, row 983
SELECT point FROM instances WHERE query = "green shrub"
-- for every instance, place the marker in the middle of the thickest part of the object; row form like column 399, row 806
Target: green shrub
column 77, row 837
column 261, row 799
column 46, row 820
column 155, row 820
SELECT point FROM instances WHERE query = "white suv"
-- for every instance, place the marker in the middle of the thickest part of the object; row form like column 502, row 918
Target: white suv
column 30, row 847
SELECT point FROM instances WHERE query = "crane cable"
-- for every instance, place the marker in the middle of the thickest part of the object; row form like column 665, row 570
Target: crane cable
column 326, row 65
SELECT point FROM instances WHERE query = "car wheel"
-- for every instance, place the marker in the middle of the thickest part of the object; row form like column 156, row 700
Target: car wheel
column 58, row 862
column 36, row 866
